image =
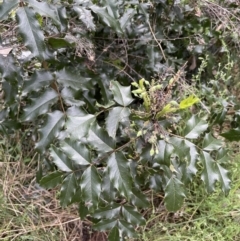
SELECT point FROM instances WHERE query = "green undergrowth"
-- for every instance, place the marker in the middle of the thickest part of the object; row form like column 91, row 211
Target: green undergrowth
column 203, row 217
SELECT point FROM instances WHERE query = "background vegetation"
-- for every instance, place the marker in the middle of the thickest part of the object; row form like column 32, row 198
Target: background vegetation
column 124, row 110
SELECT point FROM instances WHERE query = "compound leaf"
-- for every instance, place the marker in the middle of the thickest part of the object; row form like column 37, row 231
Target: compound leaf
column 210, row 143
column 51, row 129
column 51, row 180
column 116, row 116
column 76, row 151
column 138, row 199
column 174, row 194
column 31, row 32
column 180, row 147
column 194, row 127
column 40, row 105
column 68, row 189
column 126, row 229
column 119, row 173
column 209, row 174
column 91, row 186
column 122, row 94
column 105, row 224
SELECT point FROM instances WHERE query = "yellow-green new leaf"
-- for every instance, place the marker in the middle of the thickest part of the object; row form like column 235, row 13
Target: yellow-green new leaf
column 188, row 102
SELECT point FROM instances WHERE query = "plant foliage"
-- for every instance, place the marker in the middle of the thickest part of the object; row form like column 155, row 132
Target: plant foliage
column 118, row 101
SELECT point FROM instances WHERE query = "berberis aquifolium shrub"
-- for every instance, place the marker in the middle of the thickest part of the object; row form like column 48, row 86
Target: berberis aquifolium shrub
column 104, row 85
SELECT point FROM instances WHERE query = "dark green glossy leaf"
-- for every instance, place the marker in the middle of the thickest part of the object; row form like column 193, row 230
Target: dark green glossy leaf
column 90, row 186
column 108, row 191
column 174, row 194
column 85, row 16
column 38, row 80
column 76, row 151
column 105, row 224
column 78, row 126
column 109, row 212
column 61, row 160
column 114, row 235
column 122, row 94
column 132, row 215
column 138, row 199
column 223, row 179
column 180, row 147
column 209, row 174
column 50, row 130
column 119, row 173
column 210, row 143
column 232, row 135
column 40, row 105
column 51, row 180
column 68, row 189
column 164, row 153
column 71, row 77
column 99, row 139
column 6, row 7
column 125, row 19
column 126, row 229
column 116, row 116
column 106, row 18
column 31, row 33
column 194, row 127
column 44, row 9
column 82, row 210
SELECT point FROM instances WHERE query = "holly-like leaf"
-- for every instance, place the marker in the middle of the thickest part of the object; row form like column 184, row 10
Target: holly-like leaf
column 210, row 143
column 106, row 18
column 114, row 235
column 76, row 151
column 232, row 135
column 108, row 191
column 188, row 102
column 223, row 178
column 91, row 186
column 99, row 139
column 174, row 194
column 68, row 189
column 85, row 16
column 119, row 173
column 38, row 80
column 6, row 7
column 132, row 215
column 71, row 77
column 51, row 180
column 180, row 147
column 57, row 43
column 122, row 94
column 126, row 229
column 44, row 9
column 109, row 212
column 194, row 127
column 50, row 130
column 209, row 174
column 40, row 105
column 105, row 224
column 138, row 199
column 164, row 152
column 116, row 116
column 128, row 14
column 61, row 160
column 78, row 126
column 31, row 33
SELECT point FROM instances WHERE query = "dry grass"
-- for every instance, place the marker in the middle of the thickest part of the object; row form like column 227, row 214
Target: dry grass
column 29, row 212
